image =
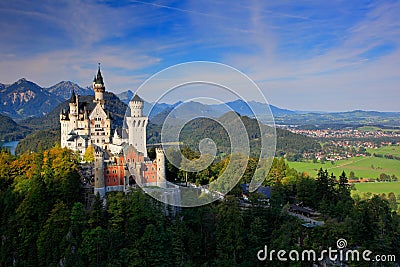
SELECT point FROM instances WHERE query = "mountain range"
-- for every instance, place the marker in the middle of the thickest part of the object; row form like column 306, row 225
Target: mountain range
column 63, row 89
column 192, row 109
column 25, row 99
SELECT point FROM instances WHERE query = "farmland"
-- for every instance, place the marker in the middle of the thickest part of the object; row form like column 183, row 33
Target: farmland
column 379, row 188
column 386, row 150
column 363, row 167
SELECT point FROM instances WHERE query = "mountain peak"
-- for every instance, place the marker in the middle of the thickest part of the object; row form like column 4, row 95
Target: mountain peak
column 63, row 89
column 22, row 80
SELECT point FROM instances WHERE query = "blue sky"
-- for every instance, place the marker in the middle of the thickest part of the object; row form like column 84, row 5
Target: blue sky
column 304, row 55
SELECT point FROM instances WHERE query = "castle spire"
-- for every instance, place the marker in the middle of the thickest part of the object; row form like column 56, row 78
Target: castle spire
column 73, row 97
column 99, row 88
column 99, row 77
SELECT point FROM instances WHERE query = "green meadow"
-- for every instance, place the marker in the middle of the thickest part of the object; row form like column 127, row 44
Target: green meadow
column 379, row 188
column 363, row 167
column 368, row 128
column 386, row 150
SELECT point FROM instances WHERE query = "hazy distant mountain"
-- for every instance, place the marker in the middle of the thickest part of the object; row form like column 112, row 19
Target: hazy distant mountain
column 195, row 109
column 251, row 108
column 24, row 99
column 64, row 89
column 125, row 96
column 159, row 107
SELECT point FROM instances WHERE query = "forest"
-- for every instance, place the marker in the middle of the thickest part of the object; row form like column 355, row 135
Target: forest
column 45, row 220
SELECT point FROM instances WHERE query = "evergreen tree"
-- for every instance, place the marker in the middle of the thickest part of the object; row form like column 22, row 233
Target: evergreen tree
column 97, row 213
column 229, row 233
column 78, row 224
column 392, row 201
column 51, row 243
column 32, row 214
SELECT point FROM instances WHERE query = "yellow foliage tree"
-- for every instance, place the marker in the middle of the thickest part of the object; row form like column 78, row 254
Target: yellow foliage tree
column 89, row 154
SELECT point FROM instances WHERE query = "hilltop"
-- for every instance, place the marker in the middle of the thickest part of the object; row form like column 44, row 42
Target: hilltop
column 10, row 130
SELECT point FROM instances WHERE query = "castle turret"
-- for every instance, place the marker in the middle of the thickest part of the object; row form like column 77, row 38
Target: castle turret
column 137, row 124
column 99, row 88
column 99, row 186
column 136, row 105
column 160, row 158
column 73, row 104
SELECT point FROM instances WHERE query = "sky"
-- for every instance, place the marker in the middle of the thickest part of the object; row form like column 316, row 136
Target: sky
column 303, row 55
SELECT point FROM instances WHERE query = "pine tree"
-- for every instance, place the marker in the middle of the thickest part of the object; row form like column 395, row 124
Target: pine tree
column 78, row 224
column 51, row 243
column 229, row 233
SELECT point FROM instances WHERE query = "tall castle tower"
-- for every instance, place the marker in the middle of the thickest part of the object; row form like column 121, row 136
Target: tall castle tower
column 99, row 185
column 100, row 121
column 137, row 125
column 160, row 159
column 99, row 88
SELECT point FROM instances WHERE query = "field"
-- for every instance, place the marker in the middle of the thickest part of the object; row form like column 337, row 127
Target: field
column 386, row 150
column 374, row 129
column 368, row 129
column 379, row 188
column 363, row 167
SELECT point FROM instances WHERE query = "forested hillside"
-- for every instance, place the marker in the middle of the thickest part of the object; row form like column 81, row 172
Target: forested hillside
column 10, row 130
column 39, row 140
column 44, row 220
column 289, row 144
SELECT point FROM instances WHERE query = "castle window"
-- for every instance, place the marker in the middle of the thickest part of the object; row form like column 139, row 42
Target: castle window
column 108, row 171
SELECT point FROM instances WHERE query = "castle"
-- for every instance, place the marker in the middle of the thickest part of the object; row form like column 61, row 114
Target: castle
column 120, row 155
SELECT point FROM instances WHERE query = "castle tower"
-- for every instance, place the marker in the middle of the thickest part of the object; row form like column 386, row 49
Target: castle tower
column 99, row 186
column 160, row 159
column 68, row 119
column 99, row 88
column 137, row 124
column 73, row 110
